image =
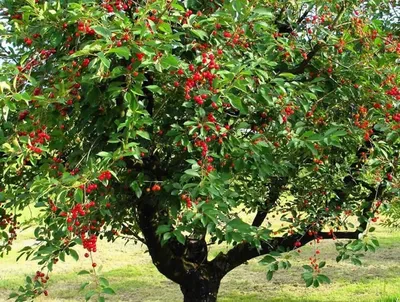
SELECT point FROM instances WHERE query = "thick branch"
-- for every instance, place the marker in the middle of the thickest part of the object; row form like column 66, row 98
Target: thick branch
column 166, row 261
column 244, row 251
column 275, row 189
column 302, row 66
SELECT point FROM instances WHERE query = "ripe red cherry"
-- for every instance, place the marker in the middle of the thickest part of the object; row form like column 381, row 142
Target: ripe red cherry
column 156, row 188
column 389, row 177
column 85, row 62
column 94, row 264
column 28, row 42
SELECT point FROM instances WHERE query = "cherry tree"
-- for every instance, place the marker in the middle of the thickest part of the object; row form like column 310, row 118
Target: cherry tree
column 168, row 123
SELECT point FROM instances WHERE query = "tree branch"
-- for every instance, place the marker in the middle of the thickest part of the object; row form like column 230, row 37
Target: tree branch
column 302, row 66
column 167, row 262
column 244, row 251
column 275, row 188
column 304, row 15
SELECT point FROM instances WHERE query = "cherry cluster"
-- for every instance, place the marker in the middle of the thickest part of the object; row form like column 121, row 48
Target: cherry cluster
column 187, row 199
column 120, row 5
column 106, row 175
column 83, row 27
column 8, row 220
column 201, row 76
column 90, row 188
column 42, row 278
column 89, row 243
column 38, row 137
column 394, row 92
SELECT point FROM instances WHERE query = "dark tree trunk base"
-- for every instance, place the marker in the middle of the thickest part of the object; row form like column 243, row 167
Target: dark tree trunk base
column 201, row 290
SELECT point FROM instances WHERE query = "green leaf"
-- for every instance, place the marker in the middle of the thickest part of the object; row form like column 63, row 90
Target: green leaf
column 240, row 225
column 102, row 31
column 84, row 272
column 154, row 89
column 356, row 245
column 135, row 187
column 104, row 154
column 89, row 294
column 121, row 52
column 321, row 264
column 308, row 268
column 270, row 274
column 108, row 290
column 263, row 12
column 323, row 279
column 267, row 259
column 78, row 195
column 165, row 27
column 104, row 61
column 287, row 75
column 104, row 282
column 308, row 277
column 13, row 295
column 200, row 33
column 237, row 103
column 83, row 286
column 179, row 236
column 356, row 261
column 161, row 229
column 170, row 61
column 102, row 299
column 192, row 172
column 275, row 253
column 143, row 134
column 74, row 254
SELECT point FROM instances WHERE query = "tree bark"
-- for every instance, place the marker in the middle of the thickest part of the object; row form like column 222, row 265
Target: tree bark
column 201, row 287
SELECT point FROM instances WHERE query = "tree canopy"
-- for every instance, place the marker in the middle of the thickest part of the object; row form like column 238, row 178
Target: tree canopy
column 162, row 122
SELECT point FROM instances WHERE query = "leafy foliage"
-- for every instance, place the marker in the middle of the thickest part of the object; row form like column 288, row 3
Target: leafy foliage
column 160, row 121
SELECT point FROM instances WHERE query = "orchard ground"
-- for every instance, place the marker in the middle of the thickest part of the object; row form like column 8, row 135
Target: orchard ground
column 135, row 278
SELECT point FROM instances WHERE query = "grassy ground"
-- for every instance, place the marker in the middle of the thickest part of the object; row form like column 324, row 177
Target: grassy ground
column 133, row 276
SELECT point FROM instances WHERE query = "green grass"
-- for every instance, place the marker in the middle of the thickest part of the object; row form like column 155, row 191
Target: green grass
column 133, row 276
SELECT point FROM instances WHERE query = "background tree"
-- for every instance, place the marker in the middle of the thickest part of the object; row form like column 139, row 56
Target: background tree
column 162, row 121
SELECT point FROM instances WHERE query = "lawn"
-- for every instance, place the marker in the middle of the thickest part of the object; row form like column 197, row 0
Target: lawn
column 132, row 275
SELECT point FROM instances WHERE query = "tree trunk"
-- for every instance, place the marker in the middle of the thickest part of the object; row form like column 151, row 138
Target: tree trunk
column 200, row 289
